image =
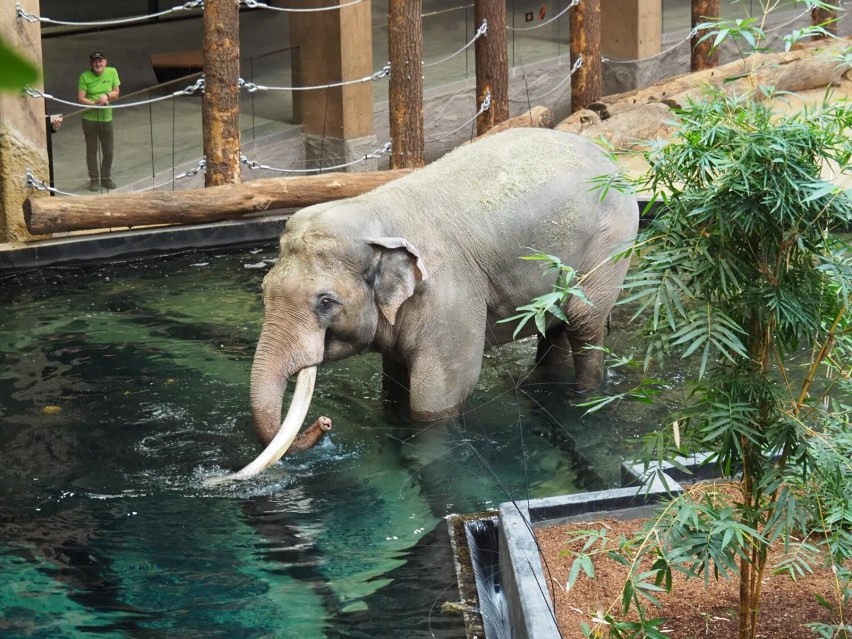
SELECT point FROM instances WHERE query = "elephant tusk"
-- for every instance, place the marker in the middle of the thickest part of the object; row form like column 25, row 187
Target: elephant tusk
column 299, row 405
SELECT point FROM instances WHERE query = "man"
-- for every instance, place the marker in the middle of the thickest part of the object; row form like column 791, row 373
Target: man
column 98, row 86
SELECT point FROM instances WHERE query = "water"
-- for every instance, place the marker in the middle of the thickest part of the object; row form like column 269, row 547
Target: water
column 124, row 385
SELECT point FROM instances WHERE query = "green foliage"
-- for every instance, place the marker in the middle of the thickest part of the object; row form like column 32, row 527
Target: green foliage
column 17, row 72
column 550, row 303
column 744, row 270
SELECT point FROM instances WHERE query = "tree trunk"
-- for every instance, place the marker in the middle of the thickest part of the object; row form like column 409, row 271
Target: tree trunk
column 703, row 57
column 220, row 106
column 228, row 201
column 825, row 17
column 585, row 43
column 492, row 64
column 405, row 48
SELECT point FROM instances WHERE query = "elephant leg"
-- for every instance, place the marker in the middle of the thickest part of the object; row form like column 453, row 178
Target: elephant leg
column 394, row 381
column 587, row 322
column 588, row 362
column 445, row 365
column 553, row 348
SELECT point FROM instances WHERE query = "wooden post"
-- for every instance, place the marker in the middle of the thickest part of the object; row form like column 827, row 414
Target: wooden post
column 220, row 106
column 585, row 42
column 825, row 17
column 332, row 47
column 702, row 56
column 405, row 50
column 492, row 63
column 631, row 29
column 195, row 206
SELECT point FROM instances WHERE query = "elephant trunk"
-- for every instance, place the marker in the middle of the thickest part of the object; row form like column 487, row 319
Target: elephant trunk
column 285, row 436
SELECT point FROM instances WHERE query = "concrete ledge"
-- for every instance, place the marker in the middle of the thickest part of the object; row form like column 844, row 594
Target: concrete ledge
column 525, row 582
column 522, row 580
column 138, row 242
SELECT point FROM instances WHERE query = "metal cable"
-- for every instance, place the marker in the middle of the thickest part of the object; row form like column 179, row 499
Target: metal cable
column 251, row 87
column 481, row 31
column 197, row 86
column 574, row 68
column 30, row 17
column 486, row 104
column 254, row 166
column 573, row 4
column 253, row 4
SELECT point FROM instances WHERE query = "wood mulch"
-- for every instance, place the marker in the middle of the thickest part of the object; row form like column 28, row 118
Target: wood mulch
column 691, row 610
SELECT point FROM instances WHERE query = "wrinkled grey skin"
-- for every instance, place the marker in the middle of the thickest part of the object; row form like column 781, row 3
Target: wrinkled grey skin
column 422, row 269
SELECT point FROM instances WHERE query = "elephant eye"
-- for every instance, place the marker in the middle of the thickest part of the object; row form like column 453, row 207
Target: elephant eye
column 326, row 302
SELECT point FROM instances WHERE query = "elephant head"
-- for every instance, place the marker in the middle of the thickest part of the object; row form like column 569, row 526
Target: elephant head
column 326, row 298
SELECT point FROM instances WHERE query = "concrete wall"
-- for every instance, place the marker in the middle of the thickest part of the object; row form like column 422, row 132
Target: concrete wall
column 23, row 138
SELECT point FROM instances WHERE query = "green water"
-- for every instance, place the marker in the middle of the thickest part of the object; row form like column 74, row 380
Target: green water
column 124, row 385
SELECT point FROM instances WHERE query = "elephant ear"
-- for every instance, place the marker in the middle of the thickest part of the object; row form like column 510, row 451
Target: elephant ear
column 398, row 270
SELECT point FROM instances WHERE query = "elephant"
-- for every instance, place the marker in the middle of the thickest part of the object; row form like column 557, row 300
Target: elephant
column 423, row 268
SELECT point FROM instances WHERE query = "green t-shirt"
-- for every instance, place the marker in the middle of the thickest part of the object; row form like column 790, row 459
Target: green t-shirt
column 97, row 85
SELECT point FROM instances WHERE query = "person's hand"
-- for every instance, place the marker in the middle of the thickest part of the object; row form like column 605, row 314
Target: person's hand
column 103, row 99
column 55, row 122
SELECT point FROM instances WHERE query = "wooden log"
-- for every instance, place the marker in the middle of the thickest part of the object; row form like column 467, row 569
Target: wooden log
column 45, row 215
column 703, row 55
column 405, row 89
column 798, row 70
column 826, row 18
column 585, row 42
column 630, row 131
column 539, row 117
column 492, row 64
column 220, row 104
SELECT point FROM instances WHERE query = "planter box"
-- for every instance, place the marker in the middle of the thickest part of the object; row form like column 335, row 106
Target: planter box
column 499, row 551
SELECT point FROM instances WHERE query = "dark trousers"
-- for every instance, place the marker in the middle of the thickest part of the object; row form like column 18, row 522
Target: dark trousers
column 98, row 132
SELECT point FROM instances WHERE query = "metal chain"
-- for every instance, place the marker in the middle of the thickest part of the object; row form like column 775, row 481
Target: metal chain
column 40, row 185
column 202, row 167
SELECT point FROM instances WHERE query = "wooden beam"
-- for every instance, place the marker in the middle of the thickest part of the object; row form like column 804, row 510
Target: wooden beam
column 225, row 202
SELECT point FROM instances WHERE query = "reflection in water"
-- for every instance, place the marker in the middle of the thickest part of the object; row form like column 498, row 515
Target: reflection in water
column 123, row 386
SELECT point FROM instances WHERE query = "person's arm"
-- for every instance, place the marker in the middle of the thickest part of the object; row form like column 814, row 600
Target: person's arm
column 116, row 84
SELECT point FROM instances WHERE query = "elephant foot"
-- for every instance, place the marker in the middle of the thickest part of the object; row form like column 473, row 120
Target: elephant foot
column 311, row 436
